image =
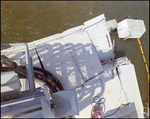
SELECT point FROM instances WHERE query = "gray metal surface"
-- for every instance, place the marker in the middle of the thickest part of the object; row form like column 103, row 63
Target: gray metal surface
column 10, row 85
column 20, row 105
column 36, row 114
column 66, row 103
column 28, row 65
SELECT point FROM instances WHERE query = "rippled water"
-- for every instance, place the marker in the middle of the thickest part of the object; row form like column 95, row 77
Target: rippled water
column 27, row 21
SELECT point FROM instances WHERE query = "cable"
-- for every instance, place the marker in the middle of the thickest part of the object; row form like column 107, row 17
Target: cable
column 50, row 75
column 98, row 102
column 51, row 81
column 47, row 80
column 96, row 111
column 53, row 88
column 117, row 109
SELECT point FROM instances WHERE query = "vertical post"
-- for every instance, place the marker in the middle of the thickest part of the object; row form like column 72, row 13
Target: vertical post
column 28, row 64
column 29, row 71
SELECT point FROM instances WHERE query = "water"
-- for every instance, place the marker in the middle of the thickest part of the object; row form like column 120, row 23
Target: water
column 26, row 21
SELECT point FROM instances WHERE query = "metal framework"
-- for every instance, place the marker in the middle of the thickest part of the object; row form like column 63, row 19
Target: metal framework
column 28, row 65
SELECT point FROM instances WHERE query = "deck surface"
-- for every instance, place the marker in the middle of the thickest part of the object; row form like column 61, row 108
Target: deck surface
column 75, row 56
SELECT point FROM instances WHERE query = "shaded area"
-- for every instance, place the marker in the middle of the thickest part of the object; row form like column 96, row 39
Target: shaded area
column 25, row 21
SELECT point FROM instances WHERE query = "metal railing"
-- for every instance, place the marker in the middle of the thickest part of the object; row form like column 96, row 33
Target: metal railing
column 28, row 65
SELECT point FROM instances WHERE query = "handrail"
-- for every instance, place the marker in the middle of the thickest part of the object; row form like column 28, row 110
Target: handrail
column 28, row 64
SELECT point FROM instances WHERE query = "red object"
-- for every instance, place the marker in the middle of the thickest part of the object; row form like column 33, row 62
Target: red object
column 97, row 113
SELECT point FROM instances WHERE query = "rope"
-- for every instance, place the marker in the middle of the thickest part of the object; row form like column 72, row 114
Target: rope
column 97, row 111
column 118, row 109
column 145, row 63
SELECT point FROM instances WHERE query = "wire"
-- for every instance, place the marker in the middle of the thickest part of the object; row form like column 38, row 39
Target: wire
column 50, row 75
column 117, row 109
column 96, row 111
column 51, row 81
column 98, row 101
column 50, row 86
column 46, row 80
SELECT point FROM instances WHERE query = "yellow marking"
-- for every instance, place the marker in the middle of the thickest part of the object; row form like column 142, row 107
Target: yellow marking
column 145, row 64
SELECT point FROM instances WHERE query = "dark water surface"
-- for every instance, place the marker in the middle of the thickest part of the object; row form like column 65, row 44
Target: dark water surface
column 26, row 21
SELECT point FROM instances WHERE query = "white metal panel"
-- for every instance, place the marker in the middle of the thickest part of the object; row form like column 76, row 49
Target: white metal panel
column 16, row 49
column 100, row 37
column 113, row 93
column 66, row 72
column 57, row 59
column 10, row 85
column 94, row 20
column 131, row 28
column 113, row 101
column 22, row 60
column 72, row 30
column 131, row 86
column 109, row 81
column 111, row 24
column 51, row 48
column 42, row 41
column 93, row 79
column 135, row 25
column 136, row 114
column 85, row 98
column 96, row 25
column 84, row 54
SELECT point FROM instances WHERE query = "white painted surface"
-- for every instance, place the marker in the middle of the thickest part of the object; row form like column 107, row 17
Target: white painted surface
column 114, row 96
column 10, row 83
column 84, row 54
column 131, row 28
column 22, row 61
column 73, row 59
column 100, row 37
column 111, row 24
column 85, row 98
column 131, row 87
column 57, row 59
column 74, row 56
column 94, row 21
column 115, row 91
